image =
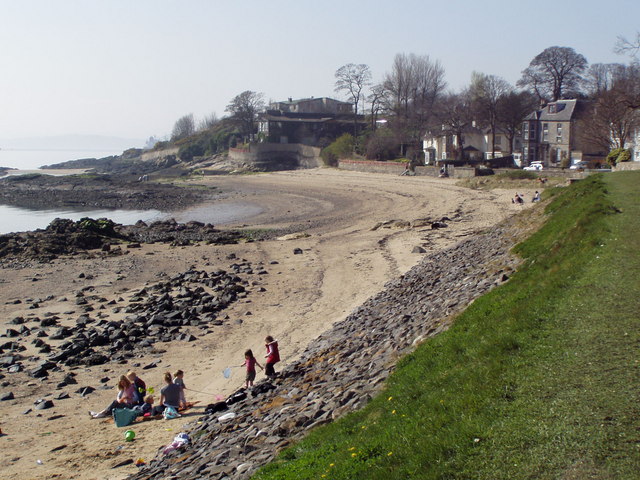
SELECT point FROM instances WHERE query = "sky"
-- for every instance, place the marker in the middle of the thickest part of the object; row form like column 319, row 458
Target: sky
column 130, row 69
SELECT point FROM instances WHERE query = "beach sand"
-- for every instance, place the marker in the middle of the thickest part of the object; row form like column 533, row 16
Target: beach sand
column 344, row 261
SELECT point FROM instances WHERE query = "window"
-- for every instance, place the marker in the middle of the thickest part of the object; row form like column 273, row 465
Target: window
column 497, row 140
column 559, row 133
column 525, row 131
column 532, row 132
column 545, row 132
column 552, row 108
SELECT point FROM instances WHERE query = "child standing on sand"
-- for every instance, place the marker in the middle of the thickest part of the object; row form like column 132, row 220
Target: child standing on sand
column 250, row 362
column 178, row 379
column 272, row 356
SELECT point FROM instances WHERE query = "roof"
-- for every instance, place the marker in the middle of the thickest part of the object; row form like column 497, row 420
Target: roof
column 311, row 99
column 560, row 111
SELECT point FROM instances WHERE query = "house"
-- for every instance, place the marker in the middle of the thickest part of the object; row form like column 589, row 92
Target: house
column 444, row 144
column 555, row 135
column 308, row 121
column 476, row 145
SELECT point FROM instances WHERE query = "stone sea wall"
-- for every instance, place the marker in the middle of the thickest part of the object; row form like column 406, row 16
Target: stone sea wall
column 276, row 156
column 342, row 369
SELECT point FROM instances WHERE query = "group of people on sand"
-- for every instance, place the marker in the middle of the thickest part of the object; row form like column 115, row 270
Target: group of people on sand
column 519, row 199
column 132, row 393
column 132, row 390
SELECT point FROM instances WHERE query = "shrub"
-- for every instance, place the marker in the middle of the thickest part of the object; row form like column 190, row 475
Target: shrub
column 187, row 152
column 618, row 155
column 342, row 147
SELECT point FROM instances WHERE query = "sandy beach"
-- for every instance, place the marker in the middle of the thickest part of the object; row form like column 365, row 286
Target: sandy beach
column 356, row 231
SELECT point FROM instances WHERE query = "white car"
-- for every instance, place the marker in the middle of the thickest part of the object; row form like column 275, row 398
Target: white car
column 534, row 167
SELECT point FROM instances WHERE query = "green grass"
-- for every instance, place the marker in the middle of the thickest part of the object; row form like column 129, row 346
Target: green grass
column 536, row 380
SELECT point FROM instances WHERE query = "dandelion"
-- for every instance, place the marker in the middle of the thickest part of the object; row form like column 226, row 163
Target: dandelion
column 389, row 454
column 354, row 454
column 364, row 427
column 390, row 398
column 393, row 412
column 332, row 464
column 352, row 449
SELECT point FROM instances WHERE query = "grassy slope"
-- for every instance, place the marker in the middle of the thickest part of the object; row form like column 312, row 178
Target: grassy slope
column 538, row 379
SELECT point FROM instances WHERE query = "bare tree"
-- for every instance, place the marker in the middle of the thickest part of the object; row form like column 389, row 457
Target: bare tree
column 615, row 116
column 628, row 47
column 208, row 121
column 376, row 97
column 513, row 108
column 352, row 79
column 412, row 89
column 486, row 92
column 600, row 77
column 455, row 112
column 244, row 109
column 183, row 127
column 555, row 72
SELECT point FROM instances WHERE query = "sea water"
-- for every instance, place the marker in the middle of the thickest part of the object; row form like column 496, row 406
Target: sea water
column 28, row 159
column 15, row 219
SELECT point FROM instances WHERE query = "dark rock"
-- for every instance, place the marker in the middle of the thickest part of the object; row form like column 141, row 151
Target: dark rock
column 6, row 396
column 44, row 404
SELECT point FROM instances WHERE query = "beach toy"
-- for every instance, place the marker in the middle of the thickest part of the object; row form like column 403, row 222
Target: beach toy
column 150, row 390
column 129, row 435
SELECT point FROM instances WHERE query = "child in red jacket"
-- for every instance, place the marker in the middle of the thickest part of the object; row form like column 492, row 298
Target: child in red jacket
column 272, row 356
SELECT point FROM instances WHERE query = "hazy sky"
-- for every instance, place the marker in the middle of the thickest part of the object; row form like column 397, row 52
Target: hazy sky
column 130, row 68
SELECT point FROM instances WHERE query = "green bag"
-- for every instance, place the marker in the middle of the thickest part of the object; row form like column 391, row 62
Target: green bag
column 125, row 416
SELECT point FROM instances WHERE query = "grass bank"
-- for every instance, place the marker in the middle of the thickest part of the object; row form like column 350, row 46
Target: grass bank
column 538, row 379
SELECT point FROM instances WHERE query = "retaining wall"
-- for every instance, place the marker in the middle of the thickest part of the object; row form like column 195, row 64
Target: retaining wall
column 276, row 156
column 397, row 168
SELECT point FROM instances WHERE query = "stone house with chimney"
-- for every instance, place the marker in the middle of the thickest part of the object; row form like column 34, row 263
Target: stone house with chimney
column 555, row 135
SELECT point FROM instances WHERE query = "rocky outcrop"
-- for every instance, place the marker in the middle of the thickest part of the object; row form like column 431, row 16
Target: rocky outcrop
column 180, row 308
column 64, row 236
column 343, row 368
column 97, row 191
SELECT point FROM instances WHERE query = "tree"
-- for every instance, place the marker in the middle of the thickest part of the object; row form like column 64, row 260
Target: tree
column 184, row 127
column 600, row 76
column 412, row 88
column 456, row 114
column 555, row 72
column 615, row 116
column 376, row 98
column 628, row 47
column 513, row 108
column 486, row 92
column 352, row 79
column 244, row 109
column 208, row 122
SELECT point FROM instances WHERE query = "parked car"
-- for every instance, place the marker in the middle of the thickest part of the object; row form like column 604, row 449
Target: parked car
column 579, row 166
column 534, row 167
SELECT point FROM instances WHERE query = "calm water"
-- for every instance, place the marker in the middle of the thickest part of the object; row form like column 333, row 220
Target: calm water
column 14, row 219
column 27, row 159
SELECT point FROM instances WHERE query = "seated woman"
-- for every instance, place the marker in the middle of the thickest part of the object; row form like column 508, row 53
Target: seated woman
column 126, row 398
column 169, row 395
